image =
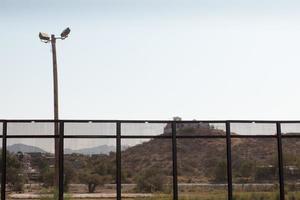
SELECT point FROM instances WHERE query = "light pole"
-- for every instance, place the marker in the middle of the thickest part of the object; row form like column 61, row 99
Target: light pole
column 44, row 37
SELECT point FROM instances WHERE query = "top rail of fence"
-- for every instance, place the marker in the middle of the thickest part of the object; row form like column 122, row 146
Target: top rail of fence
column 145, row 121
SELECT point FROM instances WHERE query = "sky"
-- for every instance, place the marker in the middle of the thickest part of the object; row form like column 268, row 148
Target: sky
column 152, row 59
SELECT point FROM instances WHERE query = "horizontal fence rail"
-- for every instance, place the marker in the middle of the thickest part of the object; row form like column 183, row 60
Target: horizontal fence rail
column 247, row 144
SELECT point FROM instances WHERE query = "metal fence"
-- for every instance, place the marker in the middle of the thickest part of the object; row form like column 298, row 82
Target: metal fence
column 119, row 130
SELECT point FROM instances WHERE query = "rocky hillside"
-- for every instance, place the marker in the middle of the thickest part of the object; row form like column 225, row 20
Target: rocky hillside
column 199, row 159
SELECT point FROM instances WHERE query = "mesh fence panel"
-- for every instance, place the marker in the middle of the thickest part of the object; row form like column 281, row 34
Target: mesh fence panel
column 253, row 128
column 145, row 129
column 202, row 168
column 291, row 166
column 90, row 167
column 91, row 128
column 31, row 128
column 255, row 168
column 290, row 128
column 147, row 167
column 29, row 166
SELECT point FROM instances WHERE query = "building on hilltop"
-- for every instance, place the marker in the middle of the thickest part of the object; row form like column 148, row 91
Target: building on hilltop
column 180, row 126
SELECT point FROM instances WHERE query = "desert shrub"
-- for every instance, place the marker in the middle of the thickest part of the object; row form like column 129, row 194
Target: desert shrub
column 150, row 180
column 47, row 177
column 92, row 180
column 69, row 174
column 265, row 173
column 15, row 177
column 220, row 172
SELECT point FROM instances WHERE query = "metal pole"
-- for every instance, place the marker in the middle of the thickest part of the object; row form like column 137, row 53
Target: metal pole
column 56, row 126
column 229, row 166
column 280, row 161
column 118, row 161
column 174, row 156
column 3, row 180
column 55, row 82
column 61, row 162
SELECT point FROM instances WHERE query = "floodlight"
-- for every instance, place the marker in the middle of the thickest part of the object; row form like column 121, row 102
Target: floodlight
column 65, row 33
column 44, row 37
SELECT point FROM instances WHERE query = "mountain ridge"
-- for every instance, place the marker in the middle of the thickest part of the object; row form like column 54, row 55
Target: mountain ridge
column 101, row 149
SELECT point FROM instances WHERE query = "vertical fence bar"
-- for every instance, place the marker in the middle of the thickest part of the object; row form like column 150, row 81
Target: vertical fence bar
column 229, row 166
column 3, row 179
column 118, row 161
column 174, row 157
column 61, row 161
column 280, row 160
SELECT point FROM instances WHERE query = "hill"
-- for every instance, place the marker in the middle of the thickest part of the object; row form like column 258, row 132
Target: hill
column 102, row 149
column 200, row 159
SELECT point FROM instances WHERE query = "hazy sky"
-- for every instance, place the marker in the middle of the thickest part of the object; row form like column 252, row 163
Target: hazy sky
column 152, row 59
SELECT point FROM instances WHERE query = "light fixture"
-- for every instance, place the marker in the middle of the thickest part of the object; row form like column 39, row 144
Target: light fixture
column 65, row 33
column 44, row 37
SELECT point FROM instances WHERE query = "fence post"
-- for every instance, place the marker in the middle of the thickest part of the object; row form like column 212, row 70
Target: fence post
column 118, row 161
column 229, row 166
column 3, row 180
column 61, row 161
column 280, row 160
column 174, row 157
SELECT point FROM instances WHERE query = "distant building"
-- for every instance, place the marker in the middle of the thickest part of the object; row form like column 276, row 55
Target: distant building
column 28, row 159
column 180, row 126
column 292, row 171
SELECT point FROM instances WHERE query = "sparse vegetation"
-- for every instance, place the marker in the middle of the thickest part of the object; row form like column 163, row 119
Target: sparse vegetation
column 15, row 176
